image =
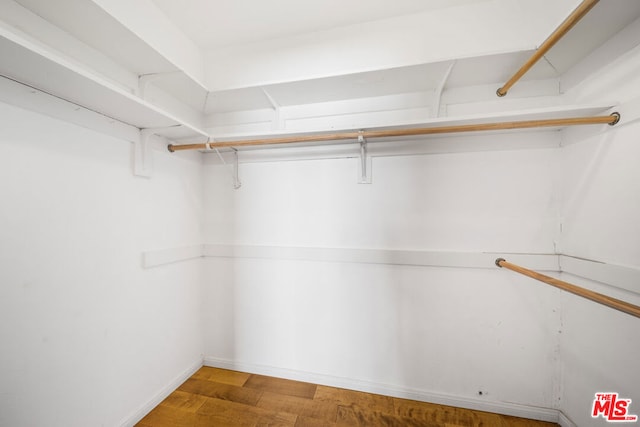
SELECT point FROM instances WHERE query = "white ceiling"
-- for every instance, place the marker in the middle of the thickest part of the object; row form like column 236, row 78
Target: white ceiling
column 222, row 23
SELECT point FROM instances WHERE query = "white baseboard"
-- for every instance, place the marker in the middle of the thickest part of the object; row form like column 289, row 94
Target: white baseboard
column 505, row 408
column 564, row 421
column 161, row 395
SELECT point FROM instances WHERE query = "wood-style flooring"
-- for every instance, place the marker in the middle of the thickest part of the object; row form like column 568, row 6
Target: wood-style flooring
column 218, row 397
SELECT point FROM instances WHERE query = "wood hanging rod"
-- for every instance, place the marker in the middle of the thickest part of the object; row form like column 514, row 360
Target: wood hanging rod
column 617, row 304
column 611, row 119
column 559, row 32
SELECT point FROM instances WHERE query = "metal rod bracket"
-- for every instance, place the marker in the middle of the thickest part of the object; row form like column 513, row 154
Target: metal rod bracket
column 364, row 169
column 236, row 171
column 235, row 174
column 498, row 261
column 617, row 116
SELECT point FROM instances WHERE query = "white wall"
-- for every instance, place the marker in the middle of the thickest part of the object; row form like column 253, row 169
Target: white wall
column 600, row 188
column 601, row 211
column 88, row 337
column 429, row 330
column 470, row 201
column 601, row 193
column 599, row 352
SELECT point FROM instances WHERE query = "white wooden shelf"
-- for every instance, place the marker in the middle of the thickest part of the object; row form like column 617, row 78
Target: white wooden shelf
column 557, row 112
column 29, row 63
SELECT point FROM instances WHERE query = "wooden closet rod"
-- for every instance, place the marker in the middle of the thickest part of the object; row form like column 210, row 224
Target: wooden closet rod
column 623, row 306
column 559, row 32
column 610, row 119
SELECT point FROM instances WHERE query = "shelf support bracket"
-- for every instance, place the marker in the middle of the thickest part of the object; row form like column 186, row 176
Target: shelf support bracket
column 364, row 168
column 145, row 79
column 437, row 96
column 142, row 151
column 278, row 123
column 236, row 171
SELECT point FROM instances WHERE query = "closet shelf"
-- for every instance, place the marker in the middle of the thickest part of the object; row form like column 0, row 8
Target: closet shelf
column 592, row 114
column 43, row 69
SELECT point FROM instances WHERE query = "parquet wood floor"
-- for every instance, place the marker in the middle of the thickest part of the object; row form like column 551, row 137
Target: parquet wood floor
column 219, row 398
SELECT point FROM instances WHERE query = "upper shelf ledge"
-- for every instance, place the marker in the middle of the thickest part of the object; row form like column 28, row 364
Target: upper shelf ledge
column 29, row 62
